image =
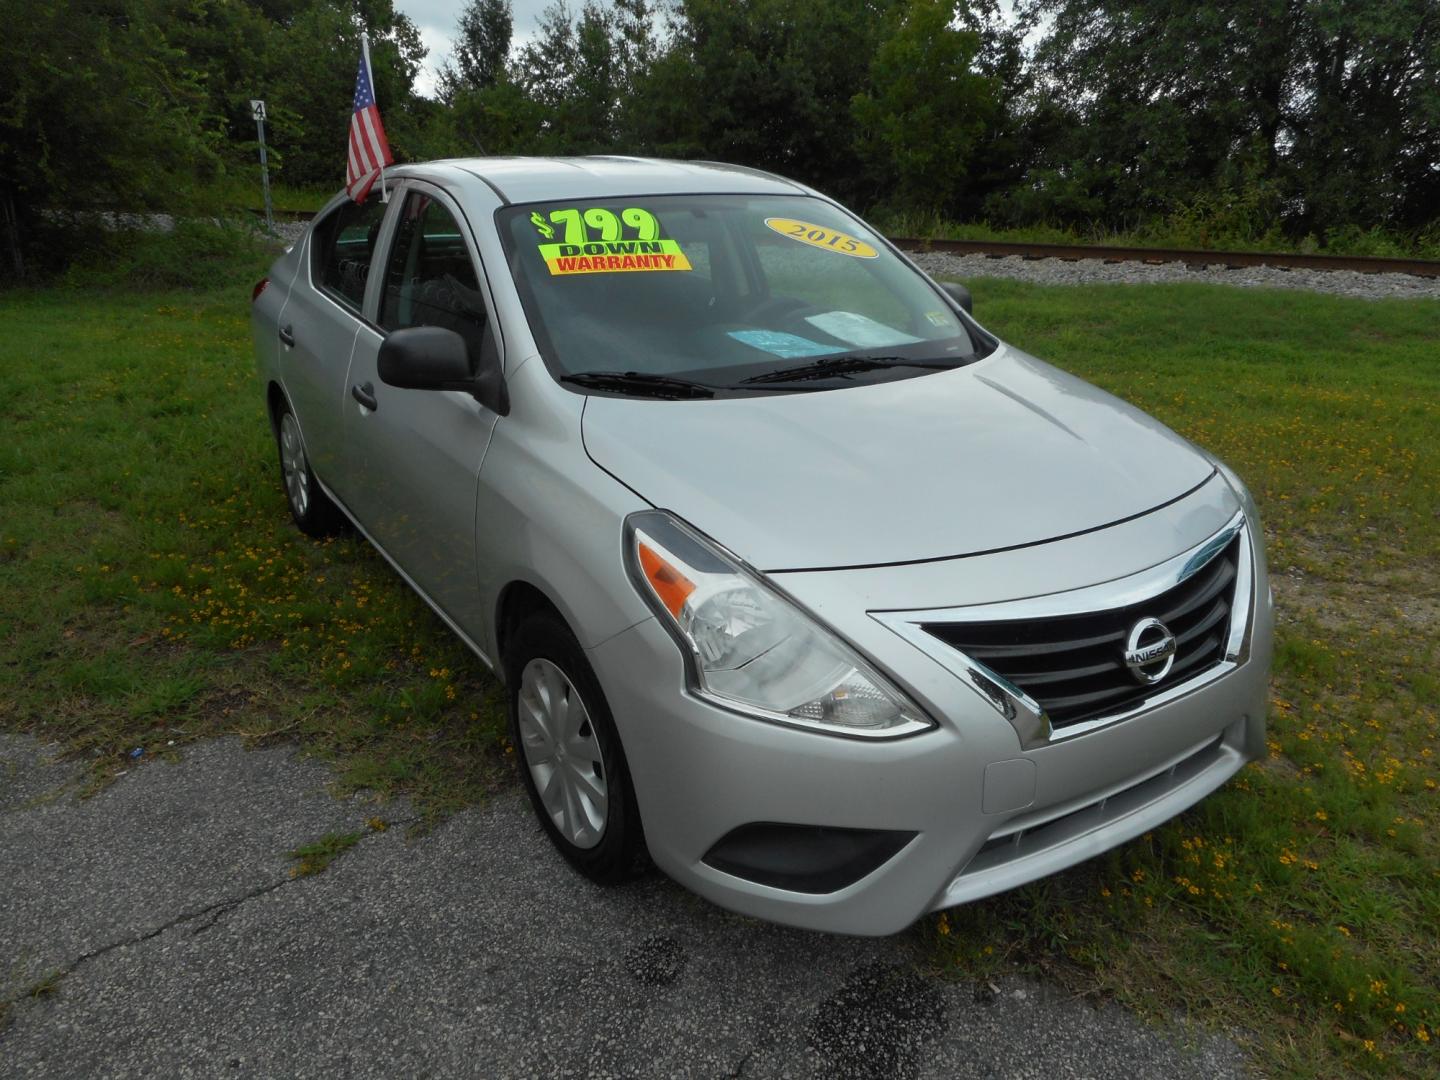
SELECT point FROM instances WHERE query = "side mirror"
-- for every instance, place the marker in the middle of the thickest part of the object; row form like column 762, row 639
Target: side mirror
column 960, row 294
column 435, row 358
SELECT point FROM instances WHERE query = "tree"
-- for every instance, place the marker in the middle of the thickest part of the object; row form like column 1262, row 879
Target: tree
column 232, row 50
column 571, row 72
column 1152, row 100
column 315, row 84
column 927, row 109
column 481, row 51
column 544, row 65
column 765, row 83
column 1323, row 112
column 635, row 48
column 500, row 119
column 1364, row 120
column 98, row 111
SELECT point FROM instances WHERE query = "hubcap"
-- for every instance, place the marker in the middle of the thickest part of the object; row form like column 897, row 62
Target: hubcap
column 562, row 753
column 292, row 464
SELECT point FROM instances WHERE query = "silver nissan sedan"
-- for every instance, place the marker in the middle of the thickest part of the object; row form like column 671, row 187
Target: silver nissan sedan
column 799, row 580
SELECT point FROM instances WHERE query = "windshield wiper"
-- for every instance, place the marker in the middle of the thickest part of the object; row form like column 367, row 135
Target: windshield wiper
column 844, row 365
column 641, row 383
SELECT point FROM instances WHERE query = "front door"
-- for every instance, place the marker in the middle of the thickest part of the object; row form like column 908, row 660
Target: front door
column 416, row 454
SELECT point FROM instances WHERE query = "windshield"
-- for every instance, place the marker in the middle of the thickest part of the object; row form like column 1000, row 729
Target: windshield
column 720, row 290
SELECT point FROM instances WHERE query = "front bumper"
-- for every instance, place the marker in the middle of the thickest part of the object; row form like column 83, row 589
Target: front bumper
column 987, row 812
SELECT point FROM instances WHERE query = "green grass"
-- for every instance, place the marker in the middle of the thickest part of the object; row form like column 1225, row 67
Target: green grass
column 314, row 857
column 44, row 987
column 153, row 591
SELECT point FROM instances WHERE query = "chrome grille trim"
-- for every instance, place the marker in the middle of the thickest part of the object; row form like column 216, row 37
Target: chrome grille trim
column 1023, row 712
column 1076, row 667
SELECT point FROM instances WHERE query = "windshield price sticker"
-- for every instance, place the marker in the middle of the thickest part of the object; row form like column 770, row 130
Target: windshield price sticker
column 598, row 241
column 613, row 256
column 823, row 238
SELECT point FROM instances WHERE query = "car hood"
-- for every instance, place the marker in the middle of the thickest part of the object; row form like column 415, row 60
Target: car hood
column 1002, row 453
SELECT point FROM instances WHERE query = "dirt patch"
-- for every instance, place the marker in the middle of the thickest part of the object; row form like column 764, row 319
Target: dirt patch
column 225, row 703
column 1338, row 589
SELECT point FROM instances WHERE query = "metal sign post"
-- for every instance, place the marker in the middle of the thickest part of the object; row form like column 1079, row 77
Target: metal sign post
column 257, row 110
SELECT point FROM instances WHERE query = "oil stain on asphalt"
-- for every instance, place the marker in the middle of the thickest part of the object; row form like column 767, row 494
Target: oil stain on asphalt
column 656, row 961
column 878, row 1023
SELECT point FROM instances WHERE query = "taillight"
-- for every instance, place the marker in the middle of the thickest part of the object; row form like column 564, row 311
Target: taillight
column 260, row 286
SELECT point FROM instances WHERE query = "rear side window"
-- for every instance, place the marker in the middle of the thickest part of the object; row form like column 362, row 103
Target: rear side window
column 342, row 248
column 430, row 279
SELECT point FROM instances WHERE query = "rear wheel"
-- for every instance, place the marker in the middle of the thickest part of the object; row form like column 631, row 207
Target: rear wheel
column 568, row 752
column 309, row 506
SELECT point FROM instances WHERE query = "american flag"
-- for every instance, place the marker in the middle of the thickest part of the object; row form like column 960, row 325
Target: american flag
column 369, row 151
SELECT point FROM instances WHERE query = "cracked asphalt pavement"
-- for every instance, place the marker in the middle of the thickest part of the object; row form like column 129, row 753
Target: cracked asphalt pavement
column 184, row 948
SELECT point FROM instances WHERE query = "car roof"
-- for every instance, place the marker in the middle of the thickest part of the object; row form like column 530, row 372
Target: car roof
column 539, row 179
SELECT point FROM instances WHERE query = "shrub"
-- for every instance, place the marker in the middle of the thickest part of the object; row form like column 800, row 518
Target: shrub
column 192, row 253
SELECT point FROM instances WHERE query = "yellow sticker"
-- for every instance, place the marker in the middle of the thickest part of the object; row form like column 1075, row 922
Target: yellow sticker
column 821, row 237
column 614, row 256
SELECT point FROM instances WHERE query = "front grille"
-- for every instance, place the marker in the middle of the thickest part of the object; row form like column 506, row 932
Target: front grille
column 1074, row 665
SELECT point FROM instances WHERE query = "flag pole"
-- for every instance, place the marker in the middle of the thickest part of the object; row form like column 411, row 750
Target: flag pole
column 370, row 71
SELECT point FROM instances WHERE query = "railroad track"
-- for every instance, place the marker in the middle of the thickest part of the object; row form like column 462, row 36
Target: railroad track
column 283, row 215
column 1232, row 260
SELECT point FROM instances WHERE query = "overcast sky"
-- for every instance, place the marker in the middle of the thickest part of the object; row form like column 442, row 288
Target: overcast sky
column 437, row 18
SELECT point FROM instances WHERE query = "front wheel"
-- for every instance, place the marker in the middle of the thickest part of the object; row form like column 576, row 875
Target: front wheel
column 569, row 754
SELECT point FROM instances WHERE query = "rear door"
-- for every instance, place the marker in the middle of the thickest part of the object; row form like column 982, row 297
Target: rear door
column 317, row 329
column 418, row 452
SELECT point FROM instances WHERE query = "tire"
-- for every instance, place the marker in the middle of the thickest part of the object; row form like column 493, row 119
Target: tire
column 579, row 784
column 311, row 508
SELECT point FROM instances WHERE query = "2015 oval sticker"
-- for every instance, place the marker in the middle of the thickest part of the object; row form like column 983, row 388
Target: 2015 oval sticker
column 821, row 237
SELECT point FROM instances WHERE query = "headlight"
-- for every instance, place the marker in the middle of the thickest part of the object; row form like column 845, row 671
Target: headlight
column 750, row 648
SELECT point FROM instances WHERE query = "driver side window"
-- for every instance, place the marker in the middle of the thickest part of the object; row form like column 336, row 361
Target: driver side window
column 430, row 279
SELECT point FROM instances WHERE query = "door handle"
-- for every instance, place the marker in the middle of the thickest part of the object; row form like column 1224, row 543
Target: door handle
column 364, row 393
column 287, row 336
